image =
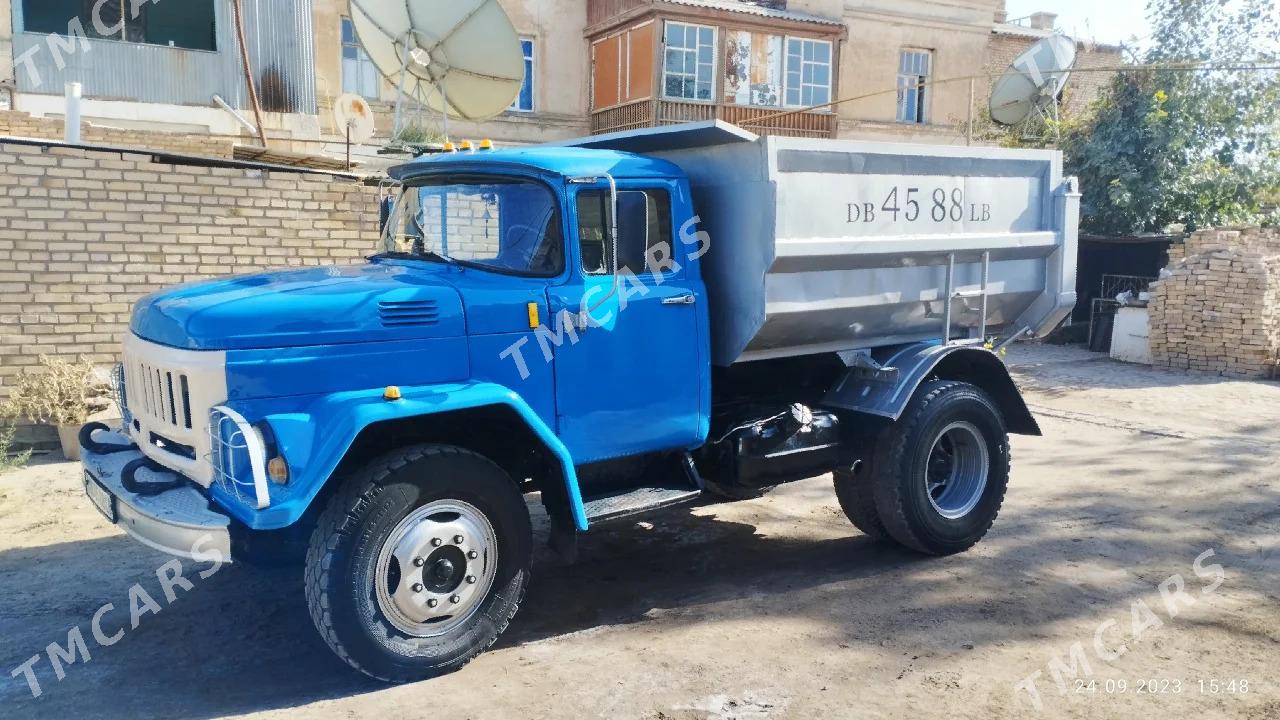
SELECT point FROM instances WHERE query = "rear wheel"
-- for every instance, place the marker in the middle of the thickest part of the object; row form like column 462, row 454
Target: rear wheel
column 854, row 492
column 419, row 562
column 938, row 475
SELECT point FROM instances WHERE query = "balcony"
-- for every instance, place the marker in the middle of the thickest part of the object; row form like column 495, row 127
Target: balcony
column 656, row 113
column 663, row 62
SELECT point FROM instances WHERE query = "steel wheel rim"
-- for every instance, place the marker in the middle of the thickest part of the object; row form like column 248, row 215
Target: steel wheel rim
column 436, row 567
column 956, row 470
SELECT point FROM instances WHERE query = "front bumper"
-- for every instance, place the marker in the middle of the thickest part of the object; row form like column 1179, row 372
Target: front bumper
column 180, row 521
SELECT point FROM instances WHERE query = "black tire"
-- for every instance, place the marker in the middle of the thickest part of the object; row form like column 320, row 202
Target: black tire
column 854, row 492
column 899, row 465
column 349, row 536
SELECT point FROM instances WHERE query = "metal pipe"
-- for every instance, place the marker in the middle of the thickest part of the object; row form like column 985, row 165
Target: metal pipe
column 248, row 71
column 968, row 123
column 244, row 122
column 950, row 291
column 1005, row 343
column 404, row 68
column 986, row 274
column 71, row 121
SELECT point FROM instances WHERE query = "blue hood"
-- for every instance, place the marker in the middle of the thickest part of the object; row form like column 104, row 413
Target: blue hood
column 313, row 306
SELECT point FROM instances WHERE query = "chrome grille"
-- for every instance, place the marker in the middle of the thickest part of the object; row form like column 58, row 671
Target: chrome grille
column 168, row 392
column 160, row 393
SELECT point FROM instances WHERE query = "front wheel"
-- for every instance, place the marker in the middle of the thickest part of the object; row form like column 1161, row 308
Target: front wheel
column 940, row 472
column 419, row 562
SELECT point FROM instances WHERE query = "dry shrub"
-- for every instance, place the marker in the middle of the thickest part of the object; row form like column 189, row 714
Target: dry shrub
column 57, row 392
column 11, row 459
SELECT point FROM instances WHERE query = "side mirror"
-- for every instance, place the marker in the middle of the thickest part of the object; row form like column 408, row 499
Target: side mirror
column 384, row 212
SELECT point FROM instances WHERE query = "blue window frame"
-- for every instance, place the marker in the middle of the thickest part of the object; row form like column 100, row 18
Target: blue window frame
column 359, row 74
column 524, row 101
column 914, row 69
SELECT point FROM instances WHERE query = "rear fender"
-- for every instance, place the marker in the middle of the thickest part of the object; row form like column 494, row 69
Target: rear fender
column 884, row 391
column 316, row 434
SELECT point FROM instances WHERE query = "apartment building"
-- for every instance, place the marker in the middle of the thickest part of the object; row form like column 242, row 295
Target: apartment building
column 591, row 66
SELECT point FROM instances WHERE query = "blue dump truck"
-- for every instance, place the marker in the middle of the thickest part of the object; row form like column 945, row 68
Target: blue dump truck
column 618, row 324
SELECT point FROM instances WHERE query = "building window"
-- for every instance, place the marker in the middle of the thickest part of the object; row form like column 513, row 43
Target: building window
column 808, row 72
column 753, row 68
column 359, row 75
column 688, row 68
column 524, row 101
column 914, row 67
column 188, row 24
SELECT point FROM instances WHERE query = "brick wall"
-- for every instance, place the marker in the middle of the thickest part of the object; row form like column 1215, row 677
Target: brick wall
column 20, row 124
column 1217, row 311
column 84, row 233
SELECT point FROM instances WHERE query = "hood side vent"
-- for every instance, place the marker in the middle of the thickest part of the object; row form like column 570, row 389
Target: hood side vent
column 408, row 313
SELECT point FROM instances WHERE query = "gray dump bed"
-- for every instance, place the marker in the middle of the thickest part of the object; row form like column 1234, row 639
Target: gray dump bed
column 821, row 245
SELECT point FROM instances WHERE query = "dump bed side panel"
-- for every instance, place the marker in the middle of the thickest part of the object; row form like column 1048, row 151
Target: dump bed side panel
column 864, row 234
column 823, row 245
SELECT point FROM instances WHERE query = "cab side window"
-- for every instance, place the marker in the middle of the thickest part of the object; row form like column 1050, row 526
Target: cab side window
column 644, row 230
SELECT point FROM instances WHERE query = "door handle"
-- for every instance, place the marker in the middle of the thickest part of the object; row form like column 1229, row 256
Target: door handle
column 686, row 299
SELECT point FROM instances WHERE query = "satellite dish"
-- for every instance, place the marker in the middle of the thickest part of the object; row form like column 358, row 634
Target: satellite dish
column 353, row 117
column 1033, row 81
column 456, row 57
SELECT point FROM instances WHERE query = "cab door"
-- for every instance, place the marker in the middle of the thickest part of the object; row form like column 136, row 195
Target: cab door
column 631, row 366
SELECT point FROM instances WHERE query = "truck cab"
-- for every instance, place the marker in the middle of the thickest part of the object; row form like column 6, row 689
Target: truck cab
column 617, row 326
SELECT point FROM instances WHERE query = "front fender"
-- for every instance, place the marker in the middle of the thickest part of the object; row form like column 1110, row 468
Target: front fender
column 314, row 434
column 886, row 390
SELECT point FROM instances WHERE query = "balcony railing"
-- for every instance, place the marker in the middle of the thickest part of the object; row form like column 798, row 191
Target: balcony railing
column 656, row 113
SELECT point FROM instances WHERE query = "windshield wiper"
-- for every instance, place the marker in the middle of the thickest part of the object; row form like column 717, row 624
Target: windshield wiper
column 424, row 255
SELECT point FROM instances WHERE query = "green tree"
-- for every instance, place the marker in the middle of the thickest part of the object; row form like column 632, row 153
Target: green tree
column 1165, row 146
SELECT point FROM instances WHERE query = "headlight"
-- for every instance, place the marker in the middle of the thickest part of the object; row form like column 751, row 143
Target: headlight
column 238, row 456
column 117, row 390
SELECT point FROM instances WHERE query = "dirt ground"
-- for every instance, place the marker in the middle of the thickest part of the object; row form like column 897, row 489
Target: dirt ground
column 774, row 608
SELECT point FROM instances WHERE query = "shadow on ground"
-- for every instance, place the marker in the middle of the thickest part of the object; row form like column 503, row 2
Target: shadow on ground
column 241, row 640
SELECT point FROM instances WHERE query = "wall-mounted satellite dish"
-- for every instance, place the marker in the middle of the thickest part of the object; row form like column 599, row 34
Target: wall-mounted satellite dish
column 1030, row 87
column 456, row 57
column 353, row 117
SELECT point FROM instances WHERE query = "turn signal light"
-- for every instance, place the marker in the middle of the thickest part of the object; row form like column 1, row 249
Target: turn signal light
column 278, row 470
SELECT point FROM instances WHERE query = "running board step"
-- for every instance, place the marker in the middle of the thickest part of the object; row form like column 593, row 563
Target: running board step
column 631, row 502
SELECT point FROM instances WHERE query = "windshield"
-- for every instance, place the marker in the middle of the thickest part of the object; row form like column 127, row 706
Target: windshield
column 503, row 224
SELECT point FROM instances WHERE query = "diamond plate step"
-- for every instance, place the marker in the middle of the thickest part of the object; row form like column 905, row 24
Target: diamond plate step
column 616, row 505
